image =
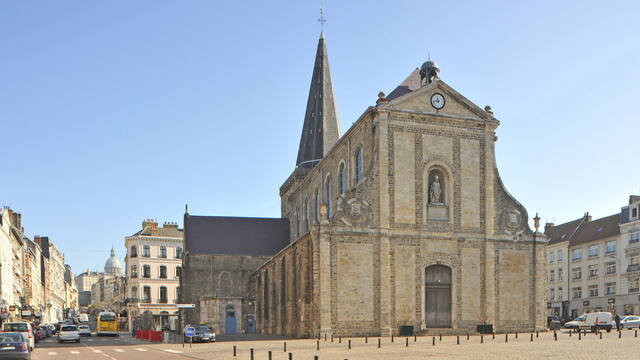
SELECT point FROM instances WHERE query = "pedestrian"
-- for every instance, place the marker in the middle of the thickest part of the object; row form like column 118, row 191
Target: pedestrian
column 617, row 322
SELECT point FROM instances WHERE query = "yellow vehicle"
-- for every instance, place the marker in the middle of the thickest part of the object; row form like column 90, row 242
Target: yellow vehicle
column 107, row 324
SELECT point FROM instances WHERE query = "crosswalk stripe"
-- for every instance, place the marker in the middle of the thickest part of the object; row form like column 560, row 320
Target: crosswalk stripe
column 119, row 350
column 51, row 353
column 96, row 350
column 141, row 349
column 75, row 352
column 173, row 351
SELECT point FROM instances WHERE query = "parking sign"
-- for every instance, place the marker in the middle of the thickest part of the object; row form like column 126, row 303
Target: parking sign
column 190, row 332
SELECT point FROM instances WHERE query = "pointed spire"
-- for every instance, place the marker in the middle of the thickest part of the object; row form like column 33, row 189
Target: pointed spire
column 321, row 129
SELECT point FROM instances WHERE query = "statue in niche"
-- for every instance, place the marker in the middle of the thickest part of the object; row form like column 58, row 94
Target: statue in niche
column 435, row 188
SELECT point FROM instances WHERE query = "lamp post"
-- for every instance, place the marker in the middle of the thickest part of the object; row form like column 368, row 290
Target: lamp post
column 536, row 225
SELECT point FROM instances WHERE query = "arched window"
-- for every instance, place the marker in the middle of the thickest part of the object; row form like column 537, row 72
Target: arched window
column 146, row 251
column 343, row 179
column 359, row 165
column 134, row 251
column 317, row 206
column 146, row 271
column 163, row 251
column 306, row 215
column 329, row 195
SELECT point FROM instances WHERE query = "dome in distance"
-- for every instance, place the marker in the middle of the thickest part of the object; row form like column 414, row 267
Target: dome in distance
column 113, row 266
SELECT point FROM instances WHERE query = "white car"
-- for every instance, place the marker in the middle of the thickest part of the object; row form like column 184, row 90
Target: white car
column 23, row 328
column 591, row 321
column 630, row 321
column 68, row 333
column 84, row 330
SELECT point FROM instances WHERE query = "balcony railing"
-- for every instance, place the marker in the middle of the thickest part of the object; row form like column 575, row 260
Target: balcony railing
column 145, row 301
column 633, row 267
column 163, row 301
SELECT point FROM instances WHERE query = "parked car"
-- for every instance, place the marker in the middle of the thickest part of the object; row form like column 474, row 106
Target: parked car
column 203, row 334
column 23, row 328
column 52, row 329
column 68, row 333
column 588, row 321
column 39, row 334
column 14, row 346
column 631, row 321
column 84, row 330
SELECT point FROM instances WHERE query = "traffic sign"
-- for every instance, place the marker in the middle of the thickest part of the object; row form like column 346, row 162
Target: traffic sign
column 189, row 331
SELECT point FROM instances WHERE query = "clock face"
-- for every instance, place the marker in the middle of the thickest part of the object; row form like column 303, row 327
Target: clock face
column 437, row 101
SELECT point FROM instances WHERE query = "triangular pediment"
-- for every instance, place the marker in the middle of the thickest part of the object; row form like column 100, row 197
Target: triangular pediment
column 419, row 100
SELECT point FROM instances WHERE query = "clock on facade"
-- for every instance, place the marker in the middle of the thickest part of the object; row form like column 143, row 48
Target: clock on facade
column 437, row 101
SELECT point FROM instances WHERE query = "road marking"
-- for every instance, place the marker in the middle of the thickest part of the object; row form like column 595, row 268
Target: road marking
column 173, row 351
column 89, row 339
column 51, row 353
column 75, row 352
column 141, row 349
column 118, row 350
column 96, row 350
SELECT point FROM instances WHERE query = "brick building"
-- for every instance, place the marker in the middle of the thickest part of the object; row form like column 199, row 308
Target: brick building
column 401, row 221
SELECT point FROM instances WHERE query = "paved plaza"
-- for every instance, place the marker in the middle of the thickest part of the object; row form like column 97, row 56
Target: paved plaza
column 542, row 347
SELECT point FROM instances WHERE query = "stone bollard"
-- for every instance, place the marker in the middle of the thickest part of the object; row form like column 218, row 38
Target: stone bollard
column 325, row 337
column 315, row 357
column 458, row 340
column 619, row 334
column 579, row 335
column 555, row 336
column 531, row 337
column 349, row 344
column 340, row 339
column 516, row 334
column 290, row 356
column 481, row 339
column 506, row 338
column 415, row 338
column 570, row 332
column 318, row 345
column 406, row 342
column 251, row 353
column 493, row 335
column 331, row 337
column 600, row 336
column 536, row 333
column 366, row 339
column 234, row 350
column 391, row 337
column 285, row 346
column 440, row 337
column 467, row 336
column 636, row 333
column 434, row 341
column 269, row 354
column 378, row 343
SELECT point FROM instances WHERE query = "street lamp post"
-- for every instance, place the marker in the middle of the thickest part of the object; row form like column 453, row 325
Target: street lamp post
column 536, row 225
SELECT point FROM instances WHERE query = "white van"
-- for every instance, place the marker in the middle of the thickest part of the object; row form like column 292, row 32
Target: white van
column 83, row 318
column 22, row 327
column 588, row 321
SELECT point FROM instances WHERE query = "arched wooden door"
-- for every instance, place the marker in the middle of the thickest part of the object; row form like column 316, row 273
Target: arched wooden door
column 438, row 296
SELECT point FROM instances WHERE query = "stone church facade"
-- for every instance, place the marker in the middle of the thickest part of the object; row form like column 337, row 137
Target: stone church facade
column 401, row 221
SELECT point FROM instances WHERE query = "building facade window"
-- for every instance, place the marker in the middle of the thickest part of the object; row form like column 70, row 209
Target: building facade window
column 559, row 255
column 178, row 271
column 593, row 271
column 610, row 268
column 593, row 250
column 628, row 309
column 577, row 254
column 329, row 198
column 146, row 271
column 146, row 251
column 343, row 179
column 634, row 285
column 634, row 213
column 163, row 252
column 359, row 165
column 146, row 294
column 552, row 257
column 635, row 237
column 178, row 252
column 610, row 288
column 163, row 272
column 611, row 247
column 163, row 295
column 551, row 275
column 134, row 292
column 559, row 294
column 134, row 251
column 134, row 271
column 634, row 263
column 559, row 274
column 551, row 294
column 576, row 292
column 306, row 215
column 576, row 274
column 297, row 222
column 593, row 290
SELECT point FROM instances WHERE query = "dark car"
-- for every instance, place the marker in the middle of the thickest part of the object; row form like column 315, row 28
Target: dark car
column 203, row 334
column 14, row 346
column 47, row 331
column 40, row 335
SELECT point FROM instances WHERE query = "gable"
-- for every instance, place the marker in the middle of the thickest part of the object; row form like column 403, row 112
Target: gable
column 419, row 100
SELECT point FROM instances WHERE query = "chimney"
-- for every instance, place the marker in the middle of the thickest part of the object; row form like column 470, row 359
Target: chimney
column 587, row 217
column 548, row 226
column 36, row 239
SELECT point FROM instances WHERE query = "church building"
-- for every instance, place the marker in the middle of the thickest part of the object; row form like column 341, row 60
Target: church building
column 400, row 224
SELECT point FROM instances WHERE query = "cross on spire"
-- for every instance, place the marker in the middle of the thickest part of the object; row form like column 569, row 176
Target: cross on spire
column 322, row 20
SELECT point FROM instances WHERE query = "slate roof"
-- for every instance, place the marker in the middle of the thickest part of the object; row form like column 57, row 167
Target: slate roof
column 411, row 83
column 222, row 235
column 597, row 229
column 321, row 128
column 562, row 232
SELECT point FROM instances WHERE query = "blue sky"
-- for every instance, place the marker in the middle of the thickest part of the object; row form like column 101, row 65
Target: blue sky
column 113, row 112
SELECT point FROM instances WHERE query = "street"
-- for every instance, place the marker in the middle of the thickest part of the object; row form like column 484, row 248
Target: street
column 100, row 348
